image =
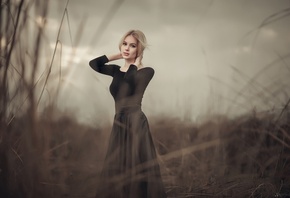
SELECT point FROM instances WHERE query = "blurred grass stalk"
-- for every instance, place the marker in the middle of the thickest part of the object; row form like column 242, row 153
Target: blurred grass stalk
column 24, row 158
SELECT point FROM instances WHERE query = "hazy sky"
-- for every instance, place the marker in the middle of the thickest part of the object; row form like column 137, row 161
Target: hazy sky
column 207, row 54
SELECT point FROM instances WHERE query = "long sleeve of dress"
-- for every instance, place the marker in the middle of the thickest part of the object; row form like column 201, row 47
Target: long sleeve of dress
column 127, row 88
column 144, row 76
column 99, row 65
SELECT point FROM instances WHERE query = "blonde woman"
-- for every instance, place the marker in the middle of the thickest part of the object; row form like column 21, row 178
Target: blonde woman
column 130, row 168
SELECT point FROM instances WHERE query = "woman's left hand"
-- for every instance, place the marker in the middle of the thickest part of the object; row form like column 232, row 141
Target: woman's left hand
column 138, row 61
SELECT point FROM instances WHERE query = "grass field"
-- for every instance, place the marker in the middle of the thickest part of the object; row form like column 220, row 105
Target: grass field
column 243, row 157
column 49, row 153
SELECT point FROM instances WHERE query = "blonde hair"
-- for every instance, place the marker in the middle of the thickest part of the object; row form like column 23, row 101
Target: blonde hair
column 141, row 40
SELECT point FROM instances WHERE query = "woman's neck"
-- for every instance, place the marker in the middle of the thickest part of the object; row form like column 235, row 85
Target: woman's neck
column 128, row 63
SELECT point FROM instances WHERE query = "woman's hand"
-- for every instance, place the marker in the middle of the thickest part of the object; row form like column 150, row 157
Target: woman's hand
column 138, row 61
column 115, row 57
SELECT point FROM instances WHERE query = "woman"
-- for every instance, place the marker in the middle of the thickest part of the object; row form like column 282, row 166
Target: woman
column 130, row 168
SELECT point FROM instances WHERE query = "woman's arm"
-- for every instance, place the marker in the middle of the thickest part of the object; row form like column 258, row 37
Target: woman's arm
column 99, row 64
column 114, row 57
column 143, row 78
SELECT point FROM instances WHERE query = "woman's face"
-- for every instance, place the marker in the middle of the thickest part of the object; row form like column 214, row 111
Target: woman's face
column 129, row 48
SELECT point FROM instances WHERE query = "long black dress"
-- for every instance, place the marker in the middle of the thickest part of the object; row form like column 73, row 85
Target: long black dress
column 130, row 168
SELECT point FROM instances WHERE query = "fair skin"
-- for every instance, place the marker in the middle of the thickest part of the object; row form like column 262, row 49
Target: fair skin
column 128, row 52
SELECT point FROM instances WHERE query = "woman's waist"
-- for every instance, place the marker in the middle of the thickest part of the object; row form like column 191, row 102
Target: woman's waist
column 127, row 108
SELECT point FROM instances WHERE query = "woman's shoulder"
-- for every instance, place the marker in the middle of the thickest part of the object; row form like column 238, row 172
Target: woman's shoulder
column 146, row 72
column 114, row 66
column 146, row 69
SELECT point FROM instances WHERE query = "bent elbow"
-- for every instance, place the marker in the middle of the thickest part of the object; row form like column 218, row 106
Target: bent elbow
column 91, row 63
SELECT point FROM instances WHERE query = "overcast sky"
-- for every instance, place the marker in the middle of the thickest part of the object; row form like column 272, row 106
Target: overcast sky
column 209, row 56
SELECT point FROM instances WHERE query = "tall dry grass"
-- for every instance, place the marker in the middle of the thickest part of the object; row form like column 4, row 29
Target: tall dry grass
column 50, row 154
column 25, row 146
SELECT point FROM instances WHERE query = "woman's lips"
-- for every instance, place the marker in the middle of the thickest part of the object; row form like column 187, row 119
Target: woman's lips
column 126, row 54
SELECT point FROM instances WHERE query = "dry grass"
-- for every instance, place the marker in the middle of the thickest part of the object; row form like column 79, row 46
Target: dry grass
column 244, row 157
column 44, row 155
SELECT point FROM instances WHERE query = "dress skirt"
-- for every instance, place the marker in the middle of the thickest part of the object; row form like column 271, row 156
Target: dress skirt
column 130, row 168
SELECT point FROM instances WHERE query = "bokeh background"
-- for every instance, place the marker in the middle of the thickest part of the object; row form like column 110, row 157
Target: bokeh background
column 205, row 54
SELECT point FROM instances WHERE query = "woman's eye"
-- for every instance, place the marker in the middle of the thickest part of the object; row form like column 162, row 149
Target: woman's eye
column 133, row 46
column 124, row 43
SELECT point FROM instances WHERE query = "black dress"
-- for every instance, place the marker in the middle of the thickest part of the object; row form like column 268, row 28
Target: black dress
column 130, row 168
